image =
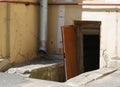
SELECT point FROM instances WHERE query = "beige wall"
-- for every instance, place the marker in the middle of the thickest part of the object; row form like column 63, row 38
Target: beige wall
column 19, row 29
column 71, row 13
column 3, row 30
column 24, row 32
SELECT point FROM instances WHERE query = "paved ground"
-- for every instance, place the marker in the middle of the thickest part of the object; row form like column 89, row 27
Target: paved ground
column 112, row 80
column 85, row 79
column 107, row 77
column 10, row 80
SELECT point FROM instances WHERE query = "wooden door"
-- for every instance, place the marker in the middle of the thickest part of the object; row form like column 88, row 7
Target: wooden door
column 69, row 34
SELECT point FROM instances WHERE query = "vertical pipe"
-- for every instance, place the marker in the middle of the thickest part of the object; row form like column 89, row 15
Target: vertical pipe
column 43, row 26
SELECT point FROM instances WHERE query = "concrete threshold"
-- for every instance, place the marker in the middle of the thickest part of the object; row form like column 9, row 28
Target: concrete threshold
column 50, row 69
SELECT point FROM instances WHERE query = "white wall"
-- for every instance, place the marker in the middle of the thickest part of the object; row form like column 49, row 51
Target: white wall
column 109, row 35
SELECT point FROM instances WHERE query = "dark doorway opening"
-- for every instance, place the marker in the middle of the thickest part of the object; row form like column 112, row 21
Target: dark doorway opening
column 91, row 46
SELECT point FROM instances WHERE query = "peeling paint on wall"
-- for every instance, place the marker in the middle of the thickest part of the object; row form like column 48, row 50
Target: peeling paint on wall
column 61, row 13
column 109, row 44
column 105, row 56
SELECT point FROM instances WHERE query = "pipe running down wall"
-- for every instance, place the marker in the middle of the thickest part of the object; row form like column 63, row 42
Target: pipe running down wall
column 43, row 26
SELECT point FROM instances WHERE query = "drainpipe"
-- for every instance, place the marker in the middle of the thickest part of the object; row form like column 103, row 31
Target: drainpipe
column 43, row 26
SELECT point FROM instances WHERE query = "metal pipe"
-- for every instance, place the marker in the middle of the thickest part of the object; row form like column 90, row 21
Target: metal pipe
column 87, row 4
column 43, row 26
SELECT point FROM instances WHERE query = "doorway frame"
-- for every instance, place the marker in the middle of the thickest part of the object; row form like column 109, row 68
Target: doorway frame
column 92, row 28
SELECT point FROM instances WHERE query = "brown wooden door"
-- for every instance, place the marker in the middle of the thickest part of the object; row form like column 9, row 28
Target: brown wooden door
column 69, row 34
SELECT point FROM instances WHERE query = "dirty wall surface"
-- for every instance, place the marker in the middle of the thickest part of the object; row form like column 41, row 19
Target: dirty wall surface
column 19, row 38
column 19, row 28
column 109, row 32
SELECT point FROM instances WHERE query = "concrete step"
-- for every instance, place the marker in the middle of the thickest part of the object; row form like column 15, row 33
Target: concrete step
column 50, row 69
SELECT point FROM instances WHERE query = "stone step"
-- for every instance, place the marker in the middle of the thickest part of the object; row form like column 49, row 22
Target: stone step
column 46, row 70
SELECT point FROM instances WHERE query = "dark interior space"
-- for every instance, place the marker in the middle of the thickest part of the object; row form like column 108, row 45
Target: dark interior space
column 91, row 45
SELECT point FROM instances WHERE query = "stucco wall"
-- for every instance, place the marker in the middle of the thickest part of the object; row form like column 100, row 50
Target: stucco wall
column 59, row 16
column 3, row 30
column 19, row 29
column 24, row 32
column 109, row 35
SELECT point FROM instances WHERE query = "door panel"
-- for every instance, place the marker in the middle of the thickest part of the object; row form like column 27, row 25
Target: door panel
column 70, row 50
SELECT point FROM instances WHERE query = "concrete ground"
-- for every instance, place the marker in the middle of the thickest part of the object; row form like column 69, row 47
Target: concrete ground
column 10, row 80
column 97, row 78
column 106, row 77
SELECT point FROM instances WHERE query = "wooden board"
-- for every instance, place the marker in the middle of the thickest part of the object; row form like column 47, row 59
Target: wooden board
column 70, row 50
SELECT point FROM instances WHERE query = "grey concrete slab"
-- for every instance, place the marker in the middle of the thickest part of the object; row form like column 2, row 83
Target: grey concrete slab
column 10, row 80
column 42, row 83
column 112, row 80
column 25, row 70
column 106, row 77
column 30, row 67
column 88, row 77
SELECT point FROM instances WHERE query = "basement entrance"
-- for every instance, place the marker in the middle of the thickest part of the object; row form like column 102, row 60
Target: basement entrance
column 81, row 47
column 91, row 46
